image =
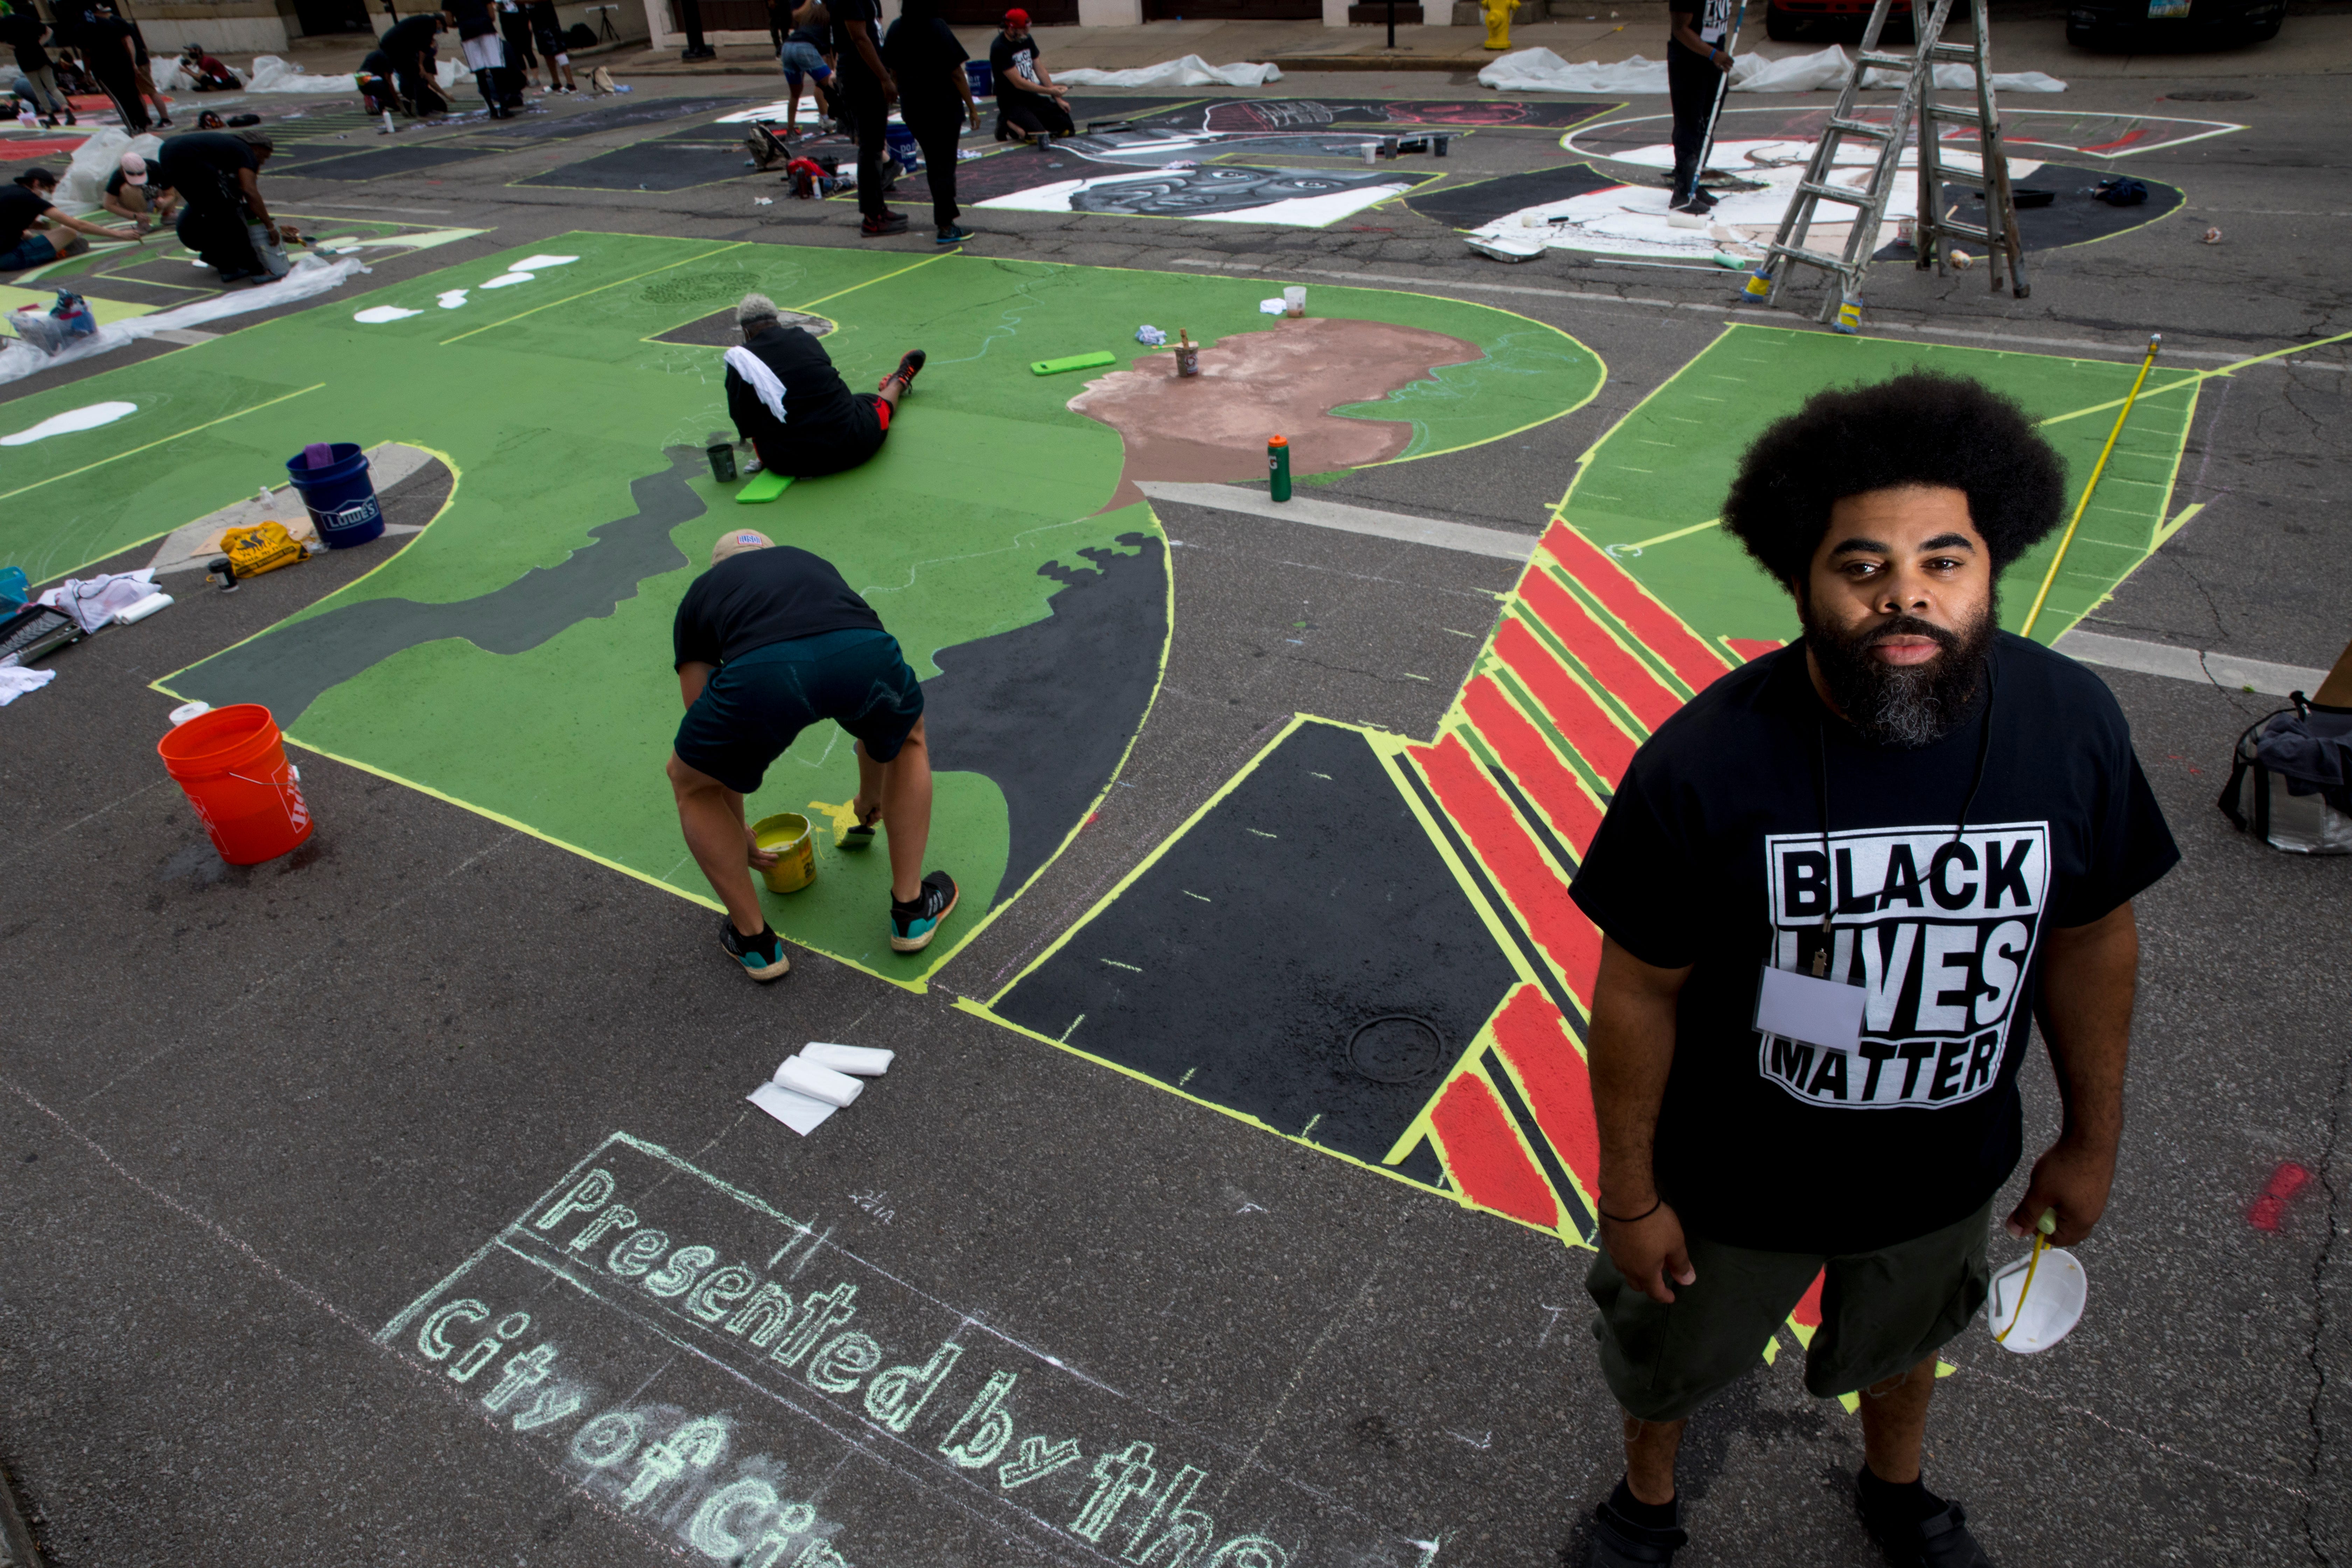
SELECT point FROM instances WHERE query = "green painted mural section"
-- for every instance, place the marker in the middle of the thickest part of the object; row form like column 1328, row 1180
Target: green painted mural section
column 549, row 398
column 1650, row 490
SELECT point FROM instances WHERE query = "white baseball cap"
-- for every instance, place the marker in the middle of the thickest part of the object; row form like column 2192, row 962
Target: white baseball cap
column 736, row 541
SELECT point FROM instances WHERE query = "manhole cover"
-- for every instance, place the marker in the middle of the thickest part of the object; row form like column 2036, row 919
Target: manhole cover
column 2209, row 94
column 693, row 288
column 1397, row 1048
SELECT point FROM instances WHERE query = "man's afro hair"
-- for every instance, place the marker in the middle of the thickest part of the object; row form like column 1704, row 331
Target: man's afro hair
column 1920, row 428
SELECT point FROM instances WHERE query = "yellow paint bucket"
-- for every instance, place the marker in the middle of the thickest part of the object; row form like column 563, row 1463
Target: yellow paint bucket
column 788, row 835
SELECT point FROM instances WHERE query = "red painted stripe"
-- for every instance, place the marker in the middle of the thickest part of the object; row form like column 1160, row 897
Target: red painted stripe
column 1686, row 653
column 1808, row 1306
column 1533, row 763
column 1485, row 1160
column 1580, row 718
column 1627, row 678
column 1503, row 847
column 2126, row 139
column 1753, row 648
column 1528, row 1032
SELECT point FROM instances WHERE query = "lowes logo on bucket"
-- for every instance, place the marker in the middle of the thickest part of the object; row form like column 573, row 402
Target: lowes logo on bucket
column 359, row 514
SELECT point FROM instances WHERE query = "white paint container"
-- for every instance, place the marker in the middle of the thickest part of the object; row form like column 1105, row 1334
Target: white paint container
column 187, row 711
column 1294, row 302
column 133, row 613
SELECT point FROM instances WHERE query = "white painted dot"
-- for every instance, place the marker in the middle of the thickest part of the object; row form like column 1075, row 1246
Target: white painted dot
column 376, row 314
column 88, row 419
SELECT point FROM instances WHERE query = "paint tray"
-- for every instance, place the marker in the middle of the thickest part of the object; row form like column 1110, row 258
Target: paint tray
column 1075, row 362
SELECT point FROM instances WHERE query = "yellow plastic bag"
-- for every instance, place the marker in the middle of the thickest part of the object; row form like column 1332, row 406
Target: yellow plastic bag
column 260, row 547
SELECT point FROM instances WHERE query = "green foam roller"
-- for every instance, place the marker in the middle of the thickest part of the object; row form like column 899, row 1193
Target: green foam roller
column 1075, row 362
column 764, row 485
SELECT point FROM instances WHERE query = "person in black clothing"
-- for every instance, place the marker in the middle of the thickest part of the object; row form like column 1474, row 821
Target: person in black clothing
column 1696, row 62
column 111, row 53
column 218, row 175
column 22, row 30
column 1028, row 99
column 486, row 56
column 140, row 194
column 514, row 27
column 547, row 27
column 868, row 91
column 27, row 203
column 1835, row 890
column 408, row 45
column 378, row 91
column 934, row 99
column 768, row 642
column 789, row 402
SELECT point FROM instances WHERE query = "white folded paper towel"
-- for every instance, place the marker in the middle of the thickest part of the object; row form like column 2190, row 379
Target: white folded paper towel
column 804, row 1077
column 797, row 1111
column 865, row 1061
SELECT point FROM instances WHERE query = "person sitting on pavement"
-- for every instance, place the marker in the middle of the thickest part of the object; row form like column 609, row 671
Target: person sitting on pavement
column 408, row 44
column 804, row 55
column 207, row 74
column 218, row 174
column 25, row 209
column 768, row 642
column 789, row 402
column 1836, row 892
column 139, row 193
column 1028, row 99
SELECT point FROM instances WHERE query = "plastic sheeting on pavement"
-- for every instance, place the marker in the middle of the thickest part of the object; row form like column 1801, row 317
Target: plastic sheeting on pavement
column 1540, row 70
column 1190, row 71
column 311, row 277
column 271, row 74
column 94, row 163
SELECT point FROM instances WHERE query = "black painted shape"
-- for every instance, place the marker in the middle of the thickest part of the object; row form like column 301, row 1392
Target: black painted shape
column 377, row 162
column 1047, row 710
column 288, row 668
column 1304, row 904
column 2075, row 218
column 588, row 122
column 652, row 165
column 1424, row 1166
column 1475, row 205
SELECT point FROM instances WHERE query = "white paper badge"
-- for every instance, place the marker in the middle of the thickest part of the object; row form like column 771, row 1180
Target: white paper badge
column 1802, row 1007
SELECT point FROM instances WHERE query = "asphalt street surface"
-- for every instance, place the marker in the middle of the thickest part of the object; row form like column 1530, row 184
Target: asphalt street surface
column 250, row 1115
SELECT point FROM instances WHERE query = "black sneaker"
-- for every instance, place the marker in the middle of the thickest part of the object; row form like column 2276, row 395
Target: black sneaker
column 954, row 234
column 762, row 956
column 1940, row 1539
column 884, row 224
column 1619, row 1543
column 912, row 926
column 910, row 363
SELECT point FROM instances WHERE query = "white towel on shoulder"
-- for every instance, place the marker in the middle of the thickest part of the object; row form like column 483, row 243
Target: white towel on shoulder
column 754, row 370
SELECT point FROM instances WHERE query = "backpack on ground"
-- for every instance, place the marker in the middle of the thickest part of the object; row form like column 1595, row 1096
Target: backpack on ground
column 2299, row 763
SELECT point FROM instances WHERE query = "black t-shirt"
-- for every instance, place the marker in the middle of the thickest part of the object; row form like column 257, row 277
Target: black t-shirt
column 18, row 209
column 476, row 18
column 764, row 597
column 818, row 37
column 216, row 150
column 1005, row 57
column 23, row 33
column 819, row 408
column 921, row 53
column 408, row 36
column 1711, row 856
column 377, row 63
column 851, row 64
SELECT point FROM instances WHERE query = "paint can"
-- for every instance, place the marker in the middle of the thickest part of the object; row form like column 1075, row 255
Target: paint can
column 1437, row 146
column 1372, row 152
column 720, row 448
column 1277, row 467
column 1294, row 301
column 187, row 711
column 788, row 835
column 1188, row 355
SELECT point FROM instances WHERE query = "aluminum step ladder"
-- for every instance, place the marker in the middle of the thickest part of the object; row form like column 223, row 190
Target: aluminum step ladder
column 1915, row 103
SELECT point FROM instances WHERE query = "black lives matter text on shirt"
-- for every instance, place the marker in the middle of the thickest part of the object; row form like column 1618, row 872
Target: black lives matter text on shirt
column 764, row 597
column 1006, row 59
column 1712, row 856
column 1936, row 926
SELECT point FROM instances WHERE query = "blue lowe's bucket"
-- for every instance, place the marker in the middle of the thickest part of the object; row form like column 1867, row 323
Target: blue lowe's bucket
column 982, row 84
column 341, row 496
column 904, row 148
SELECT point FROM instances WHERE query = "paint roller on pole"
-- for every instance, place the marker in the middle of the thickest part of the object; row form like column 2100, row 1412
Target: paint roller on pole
column 2155, row 341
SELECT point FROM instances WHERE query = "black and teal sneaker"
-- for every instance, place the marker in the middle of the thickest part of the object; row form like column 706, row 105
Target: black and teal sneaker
column 762, row 956
column 913, row 925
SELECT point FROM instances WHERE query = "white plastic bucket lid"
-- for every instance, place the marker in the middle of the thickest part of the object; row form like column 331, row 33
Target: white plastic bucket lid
column 2048, row 1312
column 187, row 711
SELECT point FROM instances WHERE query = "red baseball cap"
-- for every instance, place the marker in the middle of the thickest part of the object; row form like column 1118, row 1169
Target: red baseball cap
column 1016, row 17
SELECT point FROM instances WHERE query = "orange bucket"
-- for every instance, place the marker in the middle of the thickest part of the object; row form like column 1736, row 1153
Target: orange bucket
column 234, row 770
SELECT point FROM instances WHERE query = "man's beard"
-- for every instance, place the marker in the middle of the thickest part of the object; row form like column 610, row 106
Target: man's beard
column 1902, row 705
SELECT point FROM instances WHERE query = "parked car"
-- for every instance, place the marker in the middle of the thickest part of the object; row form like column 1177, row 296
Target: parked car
column 2155, row 24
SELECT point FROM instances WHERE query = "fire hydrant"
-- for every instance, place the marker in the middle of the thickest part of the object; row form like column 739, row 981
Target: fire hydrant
column 1499, row 21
